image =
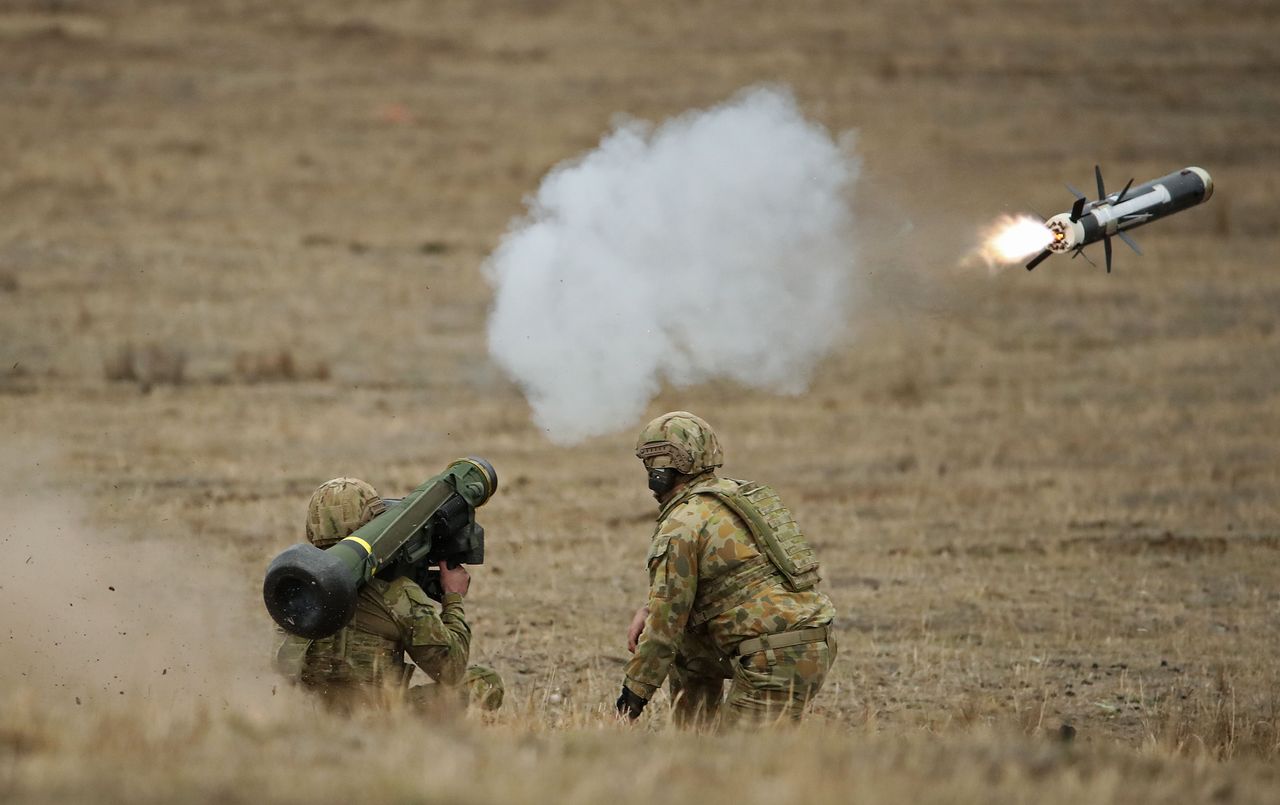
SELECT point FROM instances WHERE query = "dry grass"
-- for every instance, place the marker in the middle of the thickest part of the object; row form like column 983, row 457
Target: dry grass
column 538, row 754
column 149, row 365
column 1221, row 722
column 1041, row 499
column 276, row 366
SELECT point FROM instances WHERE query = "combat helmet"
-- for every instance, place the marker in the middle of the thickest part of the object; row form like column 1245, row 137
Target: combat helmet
column 682, row 441
column 338, row 508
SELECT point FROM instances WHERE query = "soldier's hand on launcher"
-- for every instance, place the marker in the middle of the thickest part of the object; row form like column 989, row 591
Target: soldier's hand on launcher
column 454, row 579
column 636, row 628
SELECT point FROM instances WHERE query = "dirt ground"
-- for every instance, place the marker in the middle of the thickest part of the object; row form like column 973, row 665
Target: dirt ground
column 240, row 249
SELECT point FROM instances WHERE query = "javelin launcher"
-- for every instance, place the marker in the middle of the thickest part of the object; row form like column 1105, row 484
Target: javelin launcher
column 311, row 592
column 1092, row 221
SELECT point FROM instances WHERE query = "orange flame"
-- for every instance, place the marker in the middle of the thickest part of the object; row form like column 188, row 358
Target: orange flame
column 1012, row 239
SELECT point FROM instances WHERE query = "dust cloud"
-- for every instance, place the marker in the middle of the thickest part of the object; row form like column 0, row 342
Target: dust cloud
column 717, row 245
column 92, row 615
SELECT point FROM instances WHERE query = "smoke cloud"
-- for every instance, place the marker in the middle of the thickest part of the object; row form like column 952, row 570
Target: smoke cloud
column 716, row 245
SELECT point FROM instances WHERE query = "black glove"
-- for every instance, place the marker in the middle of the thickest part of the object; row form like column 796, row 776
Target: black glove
column 629, row 704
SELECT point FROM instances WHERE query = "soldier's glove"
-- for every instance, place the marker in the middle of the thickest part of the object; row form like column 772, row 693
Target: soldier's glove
column 629, row 704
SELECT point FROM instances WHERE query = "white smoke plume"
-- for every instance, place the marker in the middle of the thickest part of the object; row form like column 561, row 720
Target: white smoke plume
column 716, row 245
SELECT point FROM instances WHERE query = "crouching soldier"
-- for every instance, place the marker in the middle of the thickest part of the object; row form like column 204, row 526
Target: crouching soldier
column 363, row 663
column 732, row 591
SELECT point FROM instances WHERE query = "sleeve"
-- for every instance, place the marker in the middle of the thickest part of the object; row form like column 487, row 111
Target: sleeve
column 673, row 583
column 438, row 644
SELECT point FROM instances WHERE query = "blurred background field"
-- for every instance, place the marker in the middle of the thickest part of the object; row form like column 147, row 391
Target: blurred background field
column 240, row 250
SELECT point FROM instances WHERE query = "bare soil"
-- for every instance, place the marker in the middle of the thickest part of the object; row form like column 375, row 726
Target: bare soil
column 239, row 254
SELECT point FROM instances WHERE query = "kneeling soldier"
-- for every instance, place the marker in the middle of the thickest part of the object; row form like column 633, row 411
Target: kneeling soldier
column 365, row 659
column 732, row 590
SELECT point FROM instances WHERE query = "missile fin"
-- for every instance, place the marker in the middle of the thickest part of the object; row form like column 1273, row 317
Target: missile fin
column 1077, row 209
column 1102, row 190
column 1106, row 246
column 1080, row 253
column 1038, row 259
column 1120, row 197
column 1075, row 192
column 1130, row 242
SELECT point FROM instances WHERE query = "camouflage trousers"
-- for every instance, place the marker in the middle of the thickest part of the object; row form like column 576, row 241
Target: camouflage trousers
column 480, row 687
column 767, row 686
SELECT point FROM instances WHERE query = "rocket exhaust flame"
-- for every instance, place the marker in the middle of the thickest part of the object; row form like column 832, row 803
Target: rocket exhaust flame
column 1012, row 239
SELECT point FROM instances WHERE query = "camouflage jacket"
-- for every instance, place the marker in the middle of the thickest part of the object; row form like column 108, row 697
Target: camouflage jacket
column 391, row 618
column 698, row 546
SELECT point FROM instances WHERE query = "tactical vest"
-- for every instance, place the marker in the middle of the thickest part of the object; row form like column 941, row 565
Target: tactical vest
column 784, row 551
column 367, row 651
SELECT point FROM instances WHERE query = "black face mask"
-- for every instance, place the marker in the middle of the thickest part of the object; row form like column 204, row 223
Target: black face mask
column 661, row 480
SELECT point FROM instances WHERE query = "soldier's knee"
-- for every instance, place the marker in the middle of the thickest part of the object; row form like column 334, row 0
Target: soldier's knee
column 754, row 708
column 484, row 687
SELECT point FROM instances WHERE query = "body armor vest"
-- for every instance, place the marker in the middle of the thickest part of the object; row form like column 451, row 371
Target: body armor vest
column 367, row 651
column 785, row 555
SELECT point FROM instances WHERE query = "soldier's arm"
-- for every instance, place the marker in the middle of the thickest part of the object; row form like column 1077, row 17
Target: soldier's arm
column 438, row 644
column 673, row 583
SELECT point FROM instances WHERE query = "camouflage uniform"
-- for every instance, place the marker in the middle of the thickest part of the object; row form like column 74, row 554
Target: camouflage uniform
column 364, row 661
column 717, row 598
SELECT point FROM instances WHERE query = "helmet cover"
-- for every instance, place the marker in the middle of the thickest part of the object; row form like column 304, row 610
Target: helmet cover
column 680, row 440
column 338, row 507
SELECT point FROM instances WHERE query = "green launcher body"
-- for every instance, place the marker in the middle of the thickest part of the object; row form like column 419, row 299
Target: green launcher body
column 311, row 592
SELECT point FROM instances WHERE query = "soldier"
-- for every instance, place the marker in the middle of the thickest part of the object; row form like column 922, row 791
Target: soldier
column 365, row 659
column 732, row 590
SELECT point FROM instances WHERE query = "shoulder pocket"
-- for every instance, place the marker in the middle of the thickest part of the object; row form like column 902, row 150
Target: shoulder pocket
column 403, row 600
column 403, row 588
column 658, row 548
column 416, row 594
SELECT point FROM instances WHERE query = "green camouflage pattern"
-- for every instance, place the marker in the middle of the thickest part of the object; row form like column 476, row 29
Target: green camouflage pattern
column 338, row 507
column 682, row 440
column 765, row 686
column 710, row 588
column 364, row 661
column 774, row 528
column 480, row 687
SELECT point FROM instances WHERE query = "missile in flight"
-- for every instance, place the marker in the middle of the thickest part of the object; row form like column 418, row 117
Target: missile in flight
column 1112, row 215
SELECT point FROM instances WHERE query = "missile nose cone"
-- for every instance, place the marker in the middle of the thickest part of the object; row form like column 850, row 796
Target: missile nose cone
column 1207, row 179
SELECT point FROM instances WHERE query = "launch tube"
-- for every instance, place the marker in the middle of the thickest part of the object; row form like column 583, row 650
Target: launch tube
column 311, row 592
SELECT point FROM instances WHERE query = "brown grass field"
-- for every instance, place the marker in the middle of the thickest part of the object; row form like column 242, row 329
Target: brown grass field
column 239, row 254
